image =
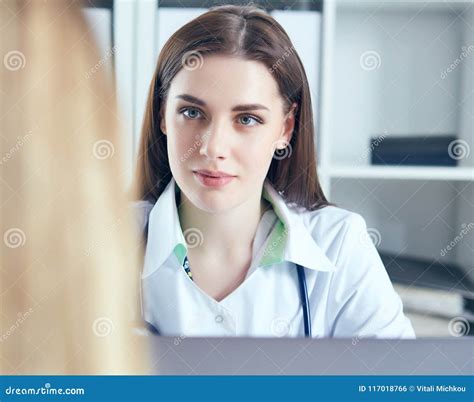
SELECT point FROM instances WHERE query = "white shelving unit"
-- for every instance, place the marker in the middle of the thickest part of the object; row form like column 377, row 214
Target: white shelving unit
column 387, row 69
column 402, row 173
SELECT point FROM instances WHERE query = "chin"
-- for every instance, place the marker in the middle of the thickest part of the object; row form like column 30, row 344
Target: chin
column 211, row 202
column 210, row 199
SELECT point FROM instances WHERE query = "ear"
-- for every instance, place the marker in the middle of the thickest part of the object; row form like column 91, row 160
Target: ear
column 288, row 125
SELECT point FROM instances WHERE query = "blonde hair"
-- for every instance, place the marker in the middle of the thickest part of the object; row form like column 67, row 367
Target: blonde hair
column 70, row 255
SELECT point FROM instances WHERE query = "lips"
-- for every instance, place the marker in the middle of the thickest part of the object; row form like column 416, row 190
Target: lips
column 213, row 173
column 213, row 178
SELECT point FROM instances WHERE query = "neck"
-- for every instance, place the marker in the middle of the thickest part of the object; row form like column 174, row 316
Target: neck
column 224, row 235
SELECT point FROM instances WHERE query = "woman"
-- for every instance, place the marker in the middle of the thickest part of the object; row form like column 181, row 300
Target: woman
column 70, row 257
column 241, row 240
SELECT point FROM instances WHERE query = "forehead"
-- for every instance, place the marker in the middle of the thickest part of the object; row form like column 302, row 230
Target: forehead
column 226, row 81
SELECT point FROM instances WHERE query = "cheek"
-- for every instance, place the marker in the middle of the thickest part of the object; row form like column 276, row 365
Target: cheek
column 257, row 153
column 181, row 142
column 269, row 141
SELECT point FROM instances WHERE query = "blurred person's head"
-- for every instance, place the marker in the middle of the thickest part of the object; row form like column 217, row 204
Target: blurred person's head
column 70, row 254
column 229, row 94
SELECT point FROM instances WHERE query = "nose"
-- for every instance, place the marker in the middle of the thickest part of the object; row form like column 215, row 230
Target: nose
column 215, row 141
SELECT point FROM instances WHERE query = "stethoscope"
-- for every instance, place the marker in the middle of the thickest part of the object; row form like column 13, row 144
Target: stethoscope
column 304, row 304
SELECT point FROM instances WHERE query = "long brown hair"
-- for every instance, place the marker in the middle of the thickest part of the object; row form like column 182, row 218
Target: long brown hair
column 250, row 33
column 70, row 256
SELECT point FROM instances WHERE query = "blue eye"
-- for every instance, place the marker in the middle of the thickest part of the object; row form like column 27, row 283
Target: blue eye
column 192, row 113
column 247, row 120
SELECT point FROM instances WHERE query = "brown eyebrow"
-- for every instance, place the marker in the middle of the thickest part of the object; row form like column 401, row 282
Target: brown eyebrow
column 191, row 99
column 238, row 108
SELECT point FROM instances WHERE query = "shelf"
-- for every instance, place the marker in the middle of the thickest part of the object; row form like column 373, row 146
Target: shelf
column 401, row 172
column 427, row 274
column 445, row 5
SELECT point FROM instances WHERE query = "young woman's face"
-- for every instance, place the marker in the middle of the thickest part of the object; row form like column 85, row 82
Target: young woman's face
column 225, row 119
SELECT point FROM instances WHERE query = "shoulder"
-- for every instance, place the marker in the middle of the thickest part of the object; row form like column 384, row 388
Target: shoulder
column 141, row 211
column 333, row 224
column 332, row 215
column 338, row 232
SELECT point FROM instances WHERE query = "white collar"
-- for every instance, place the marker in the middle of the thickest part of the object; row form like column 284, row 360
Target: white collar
column 165, row 233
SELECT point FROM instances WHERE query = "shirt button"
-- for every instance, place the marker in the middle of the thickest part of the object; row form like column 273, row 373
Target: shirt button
column 219, row 318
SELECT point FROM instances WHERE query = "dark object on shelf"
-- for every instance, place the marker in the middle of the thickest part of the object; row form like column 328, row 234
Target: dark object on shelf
column 426, row 150
column 428, row 274
column 433, row 275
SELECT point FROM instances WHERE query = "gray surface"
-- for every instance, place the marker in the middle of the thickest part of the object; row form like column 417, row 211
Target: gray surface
column 247, row 356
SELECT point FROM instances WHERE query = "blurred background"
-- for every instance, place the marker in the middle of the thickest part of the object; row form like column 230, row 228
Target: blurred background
column 392, row 85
